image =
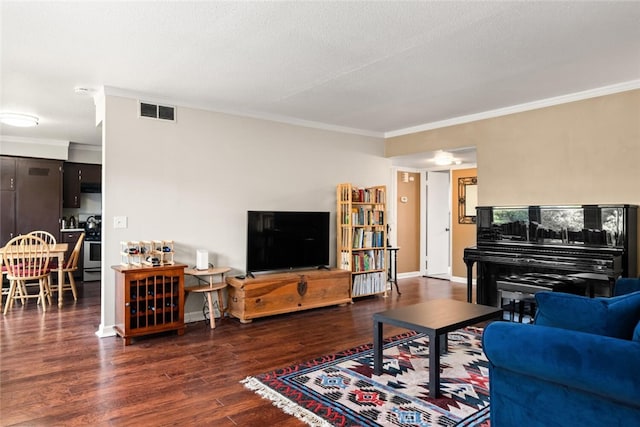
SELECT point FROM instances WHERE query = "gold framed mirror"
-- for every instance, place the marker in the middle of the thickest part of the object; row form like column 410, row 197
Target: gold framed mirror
column 467, row 199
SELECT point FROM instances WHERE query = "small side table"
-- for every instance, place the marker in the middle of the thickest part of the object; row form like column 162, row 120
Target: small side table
column 209, row 288
column 392, row 272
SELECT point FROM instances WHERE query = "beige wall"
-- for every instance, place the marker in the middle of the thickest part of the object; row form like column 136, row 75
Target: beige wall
column 583, row 152
column 408, row 222
column 462, row 235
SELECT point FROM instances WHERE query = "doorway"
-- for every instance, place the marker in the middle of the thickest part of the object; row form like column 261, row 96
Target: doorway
column 438, row 220
column 436, row 230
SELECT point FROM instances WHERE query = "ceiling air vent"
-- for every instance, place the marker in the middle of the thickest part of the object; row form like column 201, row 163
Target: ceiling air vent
column 160, row 112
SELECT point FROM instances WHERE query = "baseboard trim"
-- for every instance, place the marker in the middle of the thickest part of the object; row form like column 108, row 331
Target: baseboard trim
column 198, row 316
column 409, row 274
column 461, row 280
column 105, row 331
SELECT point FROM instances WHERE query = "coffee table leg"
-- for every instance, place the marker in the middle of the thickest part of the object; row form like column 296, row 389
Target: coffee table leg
column 377, row 347
column 444, row 343
column 434, row 365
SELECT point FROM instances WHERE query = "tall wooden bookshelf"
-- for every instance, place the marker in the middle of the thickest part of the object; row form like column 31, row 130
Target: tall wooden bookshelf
column 362, row 237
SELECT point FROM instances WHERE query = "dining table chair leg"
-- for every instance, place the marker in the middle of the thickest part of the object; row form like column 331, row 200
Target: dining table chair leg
column 12, row 291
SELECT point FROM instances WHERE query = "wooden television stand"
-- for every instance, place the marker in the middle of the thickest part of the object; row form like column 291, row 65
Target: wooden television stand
column 278, row 293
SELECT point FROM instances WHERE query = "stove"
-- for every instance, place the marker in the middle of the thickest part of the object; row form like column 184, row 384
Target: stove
column 92, row 234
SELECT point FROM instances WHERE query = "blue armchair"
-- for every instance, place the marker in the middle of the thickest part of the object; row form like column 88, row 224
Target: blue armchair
column 578, row 364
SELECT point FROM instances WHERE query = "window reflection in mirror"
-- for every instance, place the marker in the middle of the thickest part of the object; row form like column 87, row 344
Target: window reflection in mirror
column 592, row 225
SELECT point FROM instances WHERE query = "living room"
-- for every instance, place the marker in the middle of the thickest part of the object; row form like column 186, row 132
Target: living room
column 193, row 180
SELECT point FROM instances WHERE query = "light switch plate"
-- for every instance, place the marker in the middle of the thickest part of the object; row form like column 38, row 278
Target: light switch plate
column 119, row 222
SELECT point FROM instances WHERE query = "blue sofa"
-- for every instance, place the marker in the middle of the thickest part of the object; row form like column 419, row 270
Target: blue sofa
column 578, row 364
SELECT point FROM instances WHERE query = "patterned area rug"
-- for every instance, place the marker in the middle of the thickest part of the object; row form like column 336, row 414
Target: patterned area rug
column 341, row 389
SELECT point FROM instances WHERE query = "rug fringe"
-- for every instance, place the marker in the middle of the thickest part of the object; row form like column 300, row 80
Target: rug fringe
column 283, row 403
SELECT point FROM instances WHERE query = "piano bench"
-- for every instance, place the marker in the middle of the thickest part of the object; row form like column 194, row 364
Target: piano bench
column 521, row 290
column 522, row 305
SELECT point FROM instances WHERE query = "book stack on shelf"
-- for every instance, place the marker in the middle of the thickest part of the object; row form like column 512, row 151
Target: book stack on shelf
column 369, row 284
column 361, row 238
column 364, row 261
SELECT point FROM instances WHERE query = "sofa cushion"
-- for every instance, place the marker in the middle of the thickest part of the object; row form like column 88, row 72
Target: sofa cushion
column 614, row 317
column 626, row 285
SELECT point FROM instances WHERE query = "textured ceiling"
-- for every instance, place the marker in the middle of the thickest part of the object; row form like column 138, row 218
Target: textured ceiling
column 371, row 67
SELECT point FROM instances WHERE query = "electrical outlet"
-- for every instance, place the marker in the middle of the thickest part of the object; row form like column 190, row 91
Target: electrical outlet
column 119, row 222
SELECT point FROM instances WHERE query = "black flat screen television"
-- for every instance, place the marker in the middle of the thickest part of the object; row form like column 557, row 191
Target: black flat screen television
column 286, row 240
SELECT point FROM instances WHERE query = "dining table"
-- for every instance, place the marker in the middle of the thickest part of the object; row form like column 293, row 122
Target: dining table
column 57, row 251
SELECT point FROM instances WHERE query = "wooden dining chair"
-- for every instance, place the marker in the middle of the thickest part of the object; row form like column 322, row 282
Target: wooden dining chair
column 5, row 291
column 26, row 259
column 71, row 265
column 48, row 238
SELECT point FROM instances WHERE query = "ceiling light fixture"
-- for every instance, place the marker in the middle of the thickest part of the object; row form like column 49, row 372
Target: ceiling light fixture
column 443, row 158
column 19, row 120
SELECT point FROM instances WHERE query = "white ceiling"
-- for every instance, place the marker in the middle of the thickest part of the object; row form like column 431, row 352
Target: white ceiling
column 371, row 67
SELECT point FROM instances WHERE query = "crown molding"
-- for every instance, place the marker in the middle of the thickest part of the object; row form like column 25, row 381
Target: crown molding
column 114, row 91
column 549, row 102
column 40, row 141
column 85, row 147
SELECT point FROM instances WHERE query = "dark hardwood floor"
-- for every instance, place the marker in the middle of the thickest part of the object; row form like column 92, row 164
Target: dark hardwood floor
column 54, row 370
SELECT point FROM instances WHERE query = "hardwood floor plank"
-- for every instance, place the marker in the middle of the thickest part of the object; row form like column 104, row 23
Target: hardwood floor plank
column 55, row 371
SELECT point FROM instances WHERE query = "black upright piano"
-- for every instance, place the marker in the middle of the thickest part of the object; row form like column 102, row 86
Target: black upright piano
column 570, row 240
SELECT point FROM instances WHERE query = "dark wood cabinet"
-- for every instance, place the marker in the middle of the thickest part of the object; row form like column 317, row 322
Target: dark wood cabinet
column 7, row 199
column 38, row 195
column 77, row 176
column 7, row 216
column 71, row 185
column 149, row 300
column 90, row 173
column 71, row 237
column 31, row 196
column 7, row 173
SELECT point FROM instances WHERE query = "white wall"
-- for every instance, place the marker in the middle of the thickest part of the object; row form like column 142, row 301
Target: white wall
column 82, row 153
column 192, row 181
column 31, row 147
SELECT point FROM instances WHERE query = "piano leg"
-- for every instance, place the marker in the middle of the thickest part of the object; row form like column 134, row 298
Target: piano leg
column 469, row 264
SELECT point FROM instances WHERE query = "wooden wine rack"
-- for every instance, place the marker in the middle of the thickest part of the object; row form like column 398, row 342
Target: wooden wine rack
column 146, row 252
column 149, row 300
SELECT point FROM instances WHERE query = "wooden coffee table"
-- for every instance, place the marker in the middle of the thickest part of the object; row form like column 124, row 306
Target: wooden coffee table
column 434, row 318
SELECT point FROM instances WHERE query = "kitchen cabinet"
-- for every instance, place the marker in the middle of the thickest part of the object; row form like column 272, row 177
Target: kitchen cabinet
column 79, row 177
column 38, row 195
column 7, row 173
column 7, row 216
column 31, row 196
column 7, row 199
column 91, row 173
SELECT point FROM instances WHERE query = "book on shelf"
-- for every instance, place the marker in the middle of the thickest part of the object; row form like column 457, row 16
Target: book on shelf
column 362, row 238
column 369, row 283
column 364, row 215
column 368, row 195
column 368, row 260
column 345, row 263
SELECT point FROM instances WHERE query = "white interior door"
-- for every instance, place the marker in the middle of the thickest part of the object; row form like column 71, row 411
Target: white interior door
column 438, row 224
